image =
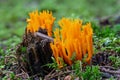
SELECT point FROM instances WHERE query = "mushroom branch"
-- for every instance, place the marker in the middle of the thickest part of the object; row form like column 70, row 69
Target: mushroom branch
column 73, row 38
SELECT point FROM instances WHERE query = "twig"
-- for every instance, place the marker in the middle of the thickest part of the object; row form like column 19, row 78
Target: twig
column 108, row 67
column 17, row 75
column 43, row 36
column 23, row 74
column 110, row 71
column 51, row 72
column 56, row 74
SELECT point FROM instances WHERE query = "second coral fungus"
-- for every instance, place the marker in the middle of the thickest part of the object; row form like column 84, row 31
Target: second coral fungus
column 73, row 38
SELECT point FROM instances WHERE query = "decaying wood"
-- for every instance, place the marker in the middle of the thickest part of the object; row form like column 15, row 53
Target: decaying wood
column 37, row 53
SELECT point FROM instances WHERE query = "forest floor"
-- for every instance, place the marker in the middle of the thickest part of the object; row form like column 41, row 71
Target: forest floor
column 105, row 19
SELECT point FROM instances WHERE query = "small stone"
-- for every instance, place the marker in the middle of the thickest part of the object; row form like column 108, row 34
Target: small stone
column 68, row 77
column 77, row 78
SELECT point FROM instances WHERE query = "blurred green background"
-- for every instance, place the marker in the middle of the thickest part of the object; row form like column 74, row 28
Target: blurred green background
column 13, row 14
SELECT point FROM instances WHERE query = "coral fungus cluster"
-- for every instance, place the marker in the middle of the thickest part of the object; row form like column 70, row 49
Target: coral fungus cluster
column 42, row 20
column 73, row 38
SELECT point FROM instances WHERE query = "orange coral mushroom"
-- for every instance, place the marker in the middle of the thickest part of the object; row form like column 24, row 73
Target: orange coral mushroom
column 73, row 38
column 43, row 20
